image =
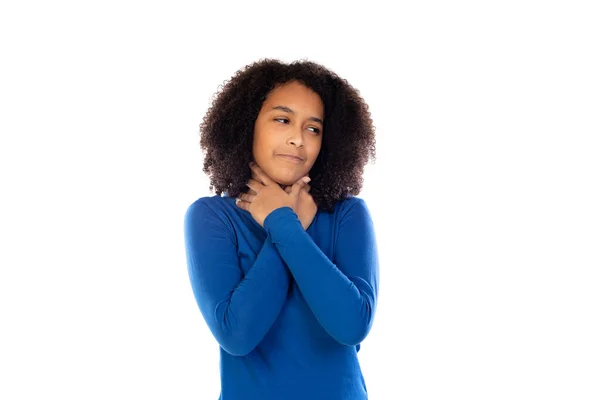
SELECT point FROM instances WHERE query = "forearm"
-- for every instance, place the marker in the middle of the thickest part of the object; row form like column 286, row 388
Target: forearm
column 343, row 305
column 238, row 309
column 242, row 319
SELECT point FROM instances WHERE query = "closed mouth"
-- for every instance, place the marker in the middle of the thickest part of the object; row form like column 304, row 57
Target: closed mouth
column 291, row 157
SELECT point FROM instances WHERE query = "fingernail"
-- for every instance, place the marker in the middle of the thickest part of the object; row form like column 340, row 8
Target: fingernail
column 237, row 200
column 306, row 179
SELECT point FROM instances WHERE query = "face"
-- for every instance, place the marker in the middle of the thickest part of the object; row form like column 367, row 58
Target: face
column 290, row 122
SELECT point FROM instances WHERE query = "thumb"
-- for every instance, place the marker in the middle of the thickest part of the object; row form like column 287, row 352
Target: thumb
column 299, row 185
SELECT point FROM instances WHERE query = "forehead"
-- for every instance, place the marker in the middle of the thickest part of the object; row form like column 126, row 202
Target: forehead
column 295, row 96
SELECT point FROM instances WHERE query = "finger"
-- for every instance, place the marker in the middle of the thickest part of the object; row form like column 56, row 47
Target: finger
column 300, row 183
column 255, row 177
column 247, row 197
column 242, row 204
column 254, row 185
column 305, row 189
column 262, row 177
column 288, row 189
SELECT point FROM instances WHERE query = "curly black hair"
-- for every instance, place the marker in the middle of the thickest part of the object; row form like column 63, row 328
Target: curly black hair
column 227, row 129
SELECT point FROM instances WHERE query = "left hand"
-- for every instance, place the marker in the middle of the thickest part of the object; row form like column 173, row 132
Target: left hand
column 306, row 208
column 267, row 195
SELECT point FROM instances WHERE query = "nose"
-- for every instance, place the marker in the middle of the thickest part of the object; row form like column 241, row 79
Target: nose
column 296, row 137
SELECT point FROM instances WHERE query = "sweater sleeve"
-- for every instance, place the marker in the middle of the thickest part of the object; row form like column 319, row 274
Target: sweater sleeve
column 239, row 310
column 342, row 293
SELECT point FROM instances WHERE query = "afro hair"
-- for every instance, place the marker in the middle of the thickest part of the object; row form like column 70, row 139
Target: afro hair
column 227, row 129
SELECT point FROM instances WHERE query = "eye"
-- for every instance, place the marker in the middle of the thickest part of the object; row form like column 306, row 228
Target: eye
column 285, row 121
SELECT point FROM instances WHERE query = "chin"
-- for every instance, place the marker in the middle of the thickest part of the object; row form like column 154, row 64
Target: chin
column 287, row 179
column 284, row 177
column 285, row 182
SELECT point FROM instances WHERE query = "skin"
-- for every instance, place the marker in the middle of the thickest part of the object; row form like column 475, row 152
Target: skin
column 290, row 122
column 266, row 195
column 278, row 131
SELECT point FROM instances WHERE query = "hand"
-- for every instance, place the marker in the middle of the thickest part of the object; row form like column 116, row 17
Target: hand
column 267, row 195
column 306, row 208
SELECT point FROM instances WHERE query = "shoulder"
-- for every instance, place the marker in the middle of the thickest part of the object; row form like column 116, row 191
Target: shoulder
column 352, row 213
column 350, row 204
column 209, row 216
column 209, row 207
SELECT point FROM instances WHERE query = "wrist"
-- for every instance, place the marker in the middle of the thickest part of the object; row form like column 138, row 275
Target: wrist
column 280, row 217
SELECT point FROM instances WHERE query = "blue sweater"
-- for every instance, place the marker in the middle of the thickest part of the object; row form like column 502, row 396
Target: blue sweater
column 288, row 307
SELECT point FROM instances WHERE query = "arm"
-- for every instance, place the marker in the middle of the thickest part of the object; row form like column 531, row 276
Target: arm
column 238, row 310
column 342, row 296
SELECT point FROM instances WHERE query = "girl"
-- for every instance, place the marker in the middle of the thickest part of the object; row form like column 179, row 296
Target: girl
column 285, row 273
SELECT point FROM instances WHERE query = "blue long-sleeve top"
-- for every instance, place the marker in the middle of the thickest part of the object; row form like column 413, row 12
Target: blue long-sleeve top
column 288, row 307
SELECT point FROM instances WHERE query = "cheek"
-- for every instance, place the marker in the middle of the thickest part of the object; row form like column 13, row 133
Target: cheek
column 315, row 150
column 260, row 141
column 263, row 150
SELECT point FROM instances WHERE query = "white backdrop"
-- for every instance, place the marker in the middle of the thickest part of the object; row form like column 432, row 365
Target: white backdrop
column 485, row 192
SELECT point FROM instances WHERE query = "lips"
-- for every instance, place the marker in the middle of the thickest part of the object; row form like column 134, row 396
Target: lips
column 291, row 156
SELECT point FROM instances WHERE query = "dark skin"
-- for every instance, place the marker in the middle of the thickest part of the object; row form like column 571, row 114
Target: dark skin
column 265, row 195
column 297, row 103
column 290, row 122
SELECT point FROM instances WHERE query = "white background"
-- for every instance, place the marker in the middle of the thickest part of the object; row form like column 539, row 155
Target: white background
column 485, row 193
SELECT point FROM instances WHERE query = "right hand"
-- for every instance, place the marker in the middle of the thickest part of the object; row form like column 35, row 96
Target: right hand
column 306, row 208
column 267, row 195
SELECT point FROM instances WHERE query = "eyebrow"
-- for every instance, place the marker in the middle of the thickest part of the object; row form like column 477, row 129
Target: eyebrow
column 289, row 110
